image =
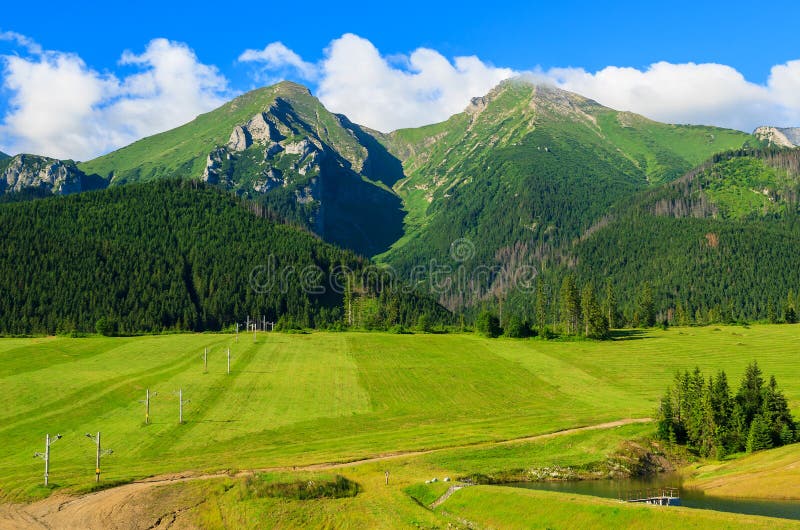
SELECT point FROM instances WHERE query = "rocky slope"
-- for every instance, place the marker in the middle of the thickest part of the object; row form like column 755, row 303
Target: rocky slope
column 280, row 146
column 779, row 136
column 40, row 175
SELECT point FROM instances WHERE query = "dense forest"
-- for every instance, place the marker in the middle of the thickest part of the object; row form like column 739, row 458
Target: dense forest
column 178, row 255
column 719, row 245
column 710, row 420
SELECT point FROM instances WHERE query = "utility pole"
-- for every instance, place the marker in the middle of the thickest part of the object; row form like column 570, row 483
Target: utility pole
column 229, row 361
column 146, row 402
column 205, row 361
column 46, row 455
column 180, row 405
column 248, row 323
column 237, row 332
column 254, row 331
column 100, row 452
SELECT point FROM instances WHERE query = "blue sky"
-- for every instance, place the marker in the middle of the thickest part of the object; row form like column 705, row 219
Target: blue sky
column 114, row 81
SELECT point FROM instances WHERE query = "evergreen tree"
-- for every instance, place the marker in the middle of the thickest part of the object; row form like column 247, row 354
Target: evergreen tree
column 570, row 305
column 610, row 305
column 646, row 308
column 759, row 436
column 541, row 305
column 749, row 395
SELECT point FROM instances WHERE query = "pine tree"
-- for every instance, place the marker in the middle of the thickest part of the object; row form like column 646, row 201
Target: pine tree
column 646, row 308
column 570, row 305
column 749, row 395
column 759, row 436
column 610, row 305
column 541, row 306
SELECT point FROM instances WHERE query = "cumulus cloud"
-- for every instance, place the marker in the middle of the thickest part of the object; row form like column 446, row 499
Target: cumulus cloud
column 276, row 57
column 384, row 93
column 390, row 92
column 422, row 88
column 711, row 94
column 61, row 107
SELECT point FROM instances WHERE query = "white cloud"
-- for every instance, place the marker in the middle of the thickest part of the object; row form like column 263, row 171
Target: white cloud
column 277, row 57
column 21, row 40
column 61, row 107
column 692, row 93
column 391, row 93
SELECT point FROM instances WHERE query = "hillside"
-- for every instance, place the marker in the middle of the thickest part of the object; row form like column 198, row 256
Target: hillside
column 303, row 406
column 3, row 155
column 531, row 164
column 280, row 146
column 169, row 255
column 719, row 244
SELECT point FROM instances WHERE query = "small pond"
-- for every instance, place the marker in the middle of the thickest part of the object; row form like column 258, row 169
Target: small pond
column 621, row 488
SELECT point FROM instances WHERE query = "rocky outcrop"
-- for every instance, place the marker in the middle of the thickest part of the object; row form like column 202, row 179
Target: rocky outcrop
column 272, row 179
column 781, row 137
column 213, row 171
column 258, row 130
column 23, row 172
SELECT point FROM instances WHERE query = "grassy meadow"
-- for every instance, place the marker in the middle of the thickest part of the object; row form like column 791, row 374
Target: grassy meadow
column 302, row 399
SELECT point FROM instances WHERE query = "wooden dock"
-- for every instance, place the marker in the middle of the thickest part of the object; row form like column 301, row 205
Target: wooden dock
column 661, row 497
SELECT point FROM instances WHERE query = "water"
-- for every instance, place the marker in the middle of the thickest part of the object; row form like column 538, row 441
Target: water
column 616, row 489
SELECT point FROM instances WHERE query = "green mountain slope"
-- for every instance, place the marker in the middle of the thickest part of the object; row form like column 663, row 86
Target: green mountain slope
column 531, row 165
column 3, row 155
column 280, row 146
column 720, row 243
column 169, row 255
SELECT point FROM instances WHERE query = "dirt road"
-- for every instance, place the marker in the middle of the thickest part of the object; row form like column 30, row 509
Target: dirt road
column 152, row 504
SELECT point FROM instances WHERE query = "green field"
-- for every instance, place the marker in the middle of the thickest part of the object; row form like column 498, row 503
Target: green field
column 297, row 400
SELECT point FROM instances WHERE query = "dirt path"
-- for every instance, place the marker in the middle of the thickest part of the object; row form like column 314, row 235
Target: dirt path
column 146, row 505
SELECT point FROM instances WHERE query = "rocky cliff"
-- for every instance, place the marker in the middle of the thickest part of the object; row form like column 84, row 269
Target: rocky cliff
column 44, row 176
column 780, row 136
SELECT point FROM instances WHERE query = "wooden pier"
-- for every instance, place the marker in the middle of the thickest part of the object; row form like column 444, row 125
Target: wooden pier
column 661, row 497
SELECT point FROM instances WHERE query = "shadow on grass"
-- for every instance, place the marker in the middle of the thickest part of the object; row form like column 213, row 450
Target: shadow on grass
column 628, row 334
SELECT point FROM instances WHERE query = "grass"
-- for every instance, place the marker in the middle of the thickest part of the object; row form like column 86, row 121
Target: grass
column 773, row 474
column 294, row 400
column 511, row 508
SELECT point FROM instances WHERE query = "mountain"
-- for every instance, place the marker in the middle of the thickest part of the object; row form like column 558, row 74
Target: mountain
column 3, row 155
column 174, row 255
column 528, row 165
column 719, row 244
column 37, row 176
column 781, row 137
column 279, row 145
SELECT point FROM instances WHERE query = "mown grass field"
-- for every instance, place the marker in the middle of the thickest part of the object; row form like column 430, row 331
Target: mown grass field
column 773, row 474
column 295, row 400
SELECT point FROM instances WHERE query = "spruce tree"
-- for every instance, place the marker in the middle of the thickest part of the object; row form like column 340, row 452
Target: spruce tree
column 570, row 305
column 759, row 436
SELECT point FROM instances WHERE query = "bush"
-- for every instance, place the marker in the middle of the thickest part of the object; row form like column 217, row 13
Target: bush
column 488, row 324
column 424, row 323
column 517, row 328
column 104, row 327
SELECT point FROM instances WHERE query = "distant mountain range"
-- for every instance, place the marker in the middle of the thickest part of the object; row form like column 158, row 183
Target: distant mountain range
column 528, row 174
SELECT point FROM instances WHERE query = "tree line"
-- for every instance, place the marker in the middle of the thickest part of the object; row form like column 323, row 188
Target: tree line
column 172, row 255
column 707, row 417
